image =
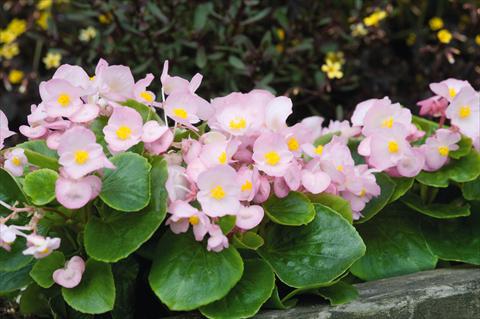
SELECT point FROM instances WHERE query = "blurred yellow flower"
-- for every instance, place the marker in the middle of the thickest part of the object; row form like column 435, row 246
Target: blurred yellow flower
column 375, row 18
column 7, row 36
column 8, row 51
column 42, row 20
column 332, row 69
column 358, row 30
column 52, row 60
column 435, row 23
column 280, row 34
column 17, row 26
column 444, row 36
column 411, row 39
column 335, row 56
column 87, row 34
column 15, row 76
column 477, row 39
column 279, row 48
column 44, row 4
column 105, row 18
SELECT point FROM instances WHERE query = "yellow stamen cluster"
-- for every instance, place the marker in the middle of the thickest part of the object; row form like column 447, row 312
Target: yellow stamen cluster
column 247, row 186
column 443, row 150
column 81, row 157
column 147, row 96
column 16, row 161
column 452, row 92
column 293, row 144
column 272, row 158
column 465, row 111
column 194, row 220
column 124, row 132
column 238, row 123
column 180, row 112
column 340, row 168
column 222, row 158
column 64, row 99
column 388, row 123
column 319, row 149
column 393, row 147
column 217, row 192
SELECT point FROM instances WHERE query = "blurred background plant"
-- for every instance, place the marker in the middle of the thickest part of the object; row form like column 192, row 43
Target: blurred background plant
column 326, row 55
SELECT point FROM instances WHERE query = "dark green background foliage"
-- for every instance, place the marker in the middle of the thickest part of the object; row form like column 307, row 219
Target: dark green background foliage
column 239, row 45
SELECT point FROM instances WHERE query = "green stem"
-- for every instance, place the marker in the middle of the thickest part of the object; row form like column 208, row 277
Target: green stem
column 424, row 193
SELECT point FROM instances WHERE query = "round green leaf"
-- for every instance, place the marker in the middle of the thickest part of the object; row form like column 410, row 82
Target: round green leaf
column 471, row 190
column 96, row 292
column 293, row 210
column 375, row 205
column 38, row 154
column 34, row 301
column 10, row 191
column 147, row 113
column 43, row 269
column 127, row 187
column 185, row 275
column 315, row 254
column 464, row 147
column 465, row 169
column 248, row 240
column 395, row 246
column 339, row 293
column 14, row 259
column 246, row 298
column 116, row 235
column 455, row 239
column 40, row 186
column 402, row 185
column 15, row 280
column 456, row 208
column 336, row 203
column 275, row 302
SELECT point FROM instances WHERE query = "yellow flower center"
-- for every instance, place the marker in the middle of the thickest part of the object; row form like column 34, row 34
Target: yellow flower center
column 63, row 99
column 124, row 132
column 452, row 92
column 319, row 149
column 194, row 220
column 180, row 112
column 443, row 150
column 247, row 186
column 16, row 161
column 393, row 147
column 81, row 157
column 340, row 168
column 293, row 144
column 217, row 192
column 388, row 123
column 222, row 159
column 238, row 124
column 45, row 251
column 272, row 158
column 362, row 192
column 147, row 96
column 465, row 111
column 92, row 78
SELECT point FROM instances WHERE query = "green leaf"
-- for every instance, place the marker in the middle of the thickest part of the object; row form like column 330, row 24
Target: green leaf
column 325, row 139
column 395, row 246
column 236, row 62
column 201, row 15
column 227, row 223
column 246, row 298
column 10, row 190
column 38, row 154
column 315, row 254
column 248, row 240
column 201, row 58
column 43, row 269
column 14, row 280
column 127, row 187
column 39, row 185
column 116, row 235
column 376, row 204
column 293, row 210
column 463, row 170
column 275, row 302
column 186, row 276
column 471, row 190
column 97, row 126
column 464, row 147
column 96, row 292
column 402, row 185
column 436, row 210
column 145, row 111
column 14, row 259
column 125, row 273
column 423, row 124
column 455, row 239
column 339, row 293
column 257, row 16
column 34, row 301
column 336, row 203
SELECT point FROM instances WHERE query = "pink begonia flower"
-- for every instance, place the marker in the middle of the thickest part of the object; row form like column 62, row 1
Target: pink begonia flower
column 61, row 98
column 178, row 184
column 388, row 147
column 41, row 247
column 271, row 154
column 124, row 129
column 249, row 180
column 437, row 148
column 360, row 187
column 217, row 241
column 280, row 187
column 190, row 149
column 411, row 163
column 263, row 192
column 434, row 106
column 140, row 90
column 171, row 84
column 76, row 193
column 336, row 159
column 74, row 75
column 71, row 275
column 414, row 134
column 464, row 112
column 295, row 136
column 80, row 154
column 249, row 217
column 115, row 82
column 4, row 131
column 88, row 112
column 219, row 191
column 8, row 235
column 15, row 161
column 235, row 120
column 449, row 88
column 218, row 153
column 362, row 108
column 157, row 138
column 384, row 116
column 312, row 150
column 313, row 124
column 343, row 128
column 184, row 215
column 186, row 108
column 314, row 180
column 53, row 140
column 292, row 176
column 277, row 112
